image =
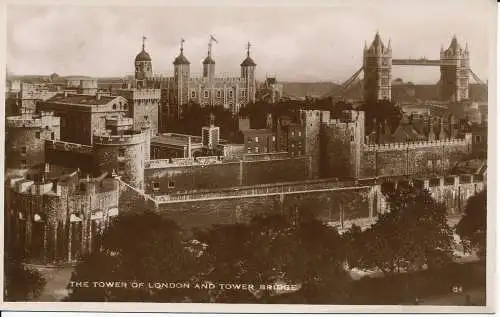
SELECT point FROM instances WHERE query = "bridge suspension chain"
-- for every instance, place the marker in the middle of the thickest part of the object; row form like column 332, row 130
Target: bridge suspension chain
column 345, row 85
column 476, row 77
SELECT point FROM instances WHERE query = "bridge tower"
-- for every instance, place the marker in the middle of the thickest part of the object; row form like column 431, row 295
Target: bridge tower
column 454, row 82
column 377, row 64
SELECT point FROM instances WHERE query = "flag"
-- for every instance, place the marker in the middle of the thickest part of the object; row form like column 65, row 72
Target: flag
column 213, row 39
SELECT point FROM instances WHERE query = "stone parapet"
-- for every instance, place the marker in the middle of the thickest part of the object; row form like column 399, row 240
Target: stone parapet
column 33, row 121
column 68, row 147
column 413, row 145
column 125, row 139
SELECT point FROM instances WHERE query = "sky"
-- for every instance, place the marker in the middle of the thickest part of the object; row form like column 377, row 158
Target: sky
column 303, row 43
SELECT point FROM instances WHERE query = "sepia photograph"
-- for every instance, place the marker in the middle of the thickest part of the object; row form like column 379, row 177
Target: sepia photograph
column 326, row 155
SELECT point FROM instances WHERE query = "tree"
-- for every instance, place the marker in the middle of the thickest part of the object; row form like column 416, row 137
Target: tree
column 139, row 248
column 412, row 234
column 382, row 111
column 21, row 283
column 472, row 226
column 273, row 249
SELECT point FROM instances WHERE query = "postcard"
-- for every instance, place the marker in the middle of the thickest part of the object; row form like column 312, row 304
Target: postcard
column 249, row 156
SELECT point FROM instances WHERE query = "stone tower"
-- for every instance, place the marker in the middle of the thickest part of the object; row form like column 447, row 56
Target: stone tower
column 25, row 138
column 377, row 63
column 123, row 154
column 342, row 141
column 311, row 121
column 208, row 62
column 143, row 66
column 248, row 73
column 454, row 82
column 181, row 79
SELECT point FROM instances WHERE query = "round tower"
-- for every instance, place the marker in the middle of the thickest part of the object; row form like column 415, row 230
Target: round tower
column 25, row 138
column 209, row 62
column 122, row 154
column 248, row 73
column 143, row 65
column 181, row 78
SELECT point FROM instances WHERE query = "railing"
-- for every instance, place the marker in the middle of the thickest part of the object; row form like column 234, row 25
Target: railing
column 262, row 189
column 68, row 147
column 417, row 62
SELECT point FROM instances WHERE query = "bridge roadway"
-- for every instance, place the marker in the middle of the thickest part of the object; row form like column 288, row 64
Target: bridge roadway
column 330, row 184
column 417, row 62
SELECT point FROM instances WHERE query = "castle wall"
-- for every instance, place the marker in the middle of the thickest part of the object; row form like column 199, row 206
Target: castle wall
column 69, row 155
column 59, row 222
column 329, row 206
column 24, row 141
column 164, row 177
column 416, row 158
column 337, row 203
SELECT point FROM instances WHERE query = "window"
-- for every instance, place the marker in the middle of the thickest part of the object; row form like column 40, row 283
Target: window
column 52, row 135
column 24, row 163
column 156, row 185
column 293, row 145
column 23, row 149
column 256, row 139
column 438, row 163
column 37, row 134
column 265, row 149
column 478, row 138
column 274, row 139
column 293, row 133
column 121, row 167
column 243, row 93
column 429, row 163
column 256, row 149
column 230, row 93
column 114, row 106
column 219, row 93
column 205, row 93
column 171, row 184
column 121, row 152
column 193, row 94
column 300, row 133
column 249, row 150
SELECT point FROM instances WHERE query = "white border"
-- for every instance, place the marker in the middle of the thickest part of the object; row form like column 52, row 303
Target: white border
column 256, row 308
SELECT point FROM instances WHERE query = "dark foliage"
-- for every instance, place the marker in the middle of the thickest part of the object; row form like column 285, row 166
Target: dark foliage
column 276, row 248
column 413, row 234
column 21, row 283
column 141, row 248
column 380, row 112
column 472, row 226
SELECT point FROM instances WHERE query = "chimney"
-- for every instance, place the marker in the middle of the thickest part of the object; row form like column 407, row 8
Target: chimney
column 189, row 147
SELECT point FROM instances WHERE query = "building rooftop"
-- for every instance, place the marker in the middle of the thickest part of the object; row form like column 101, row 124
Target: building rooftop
column 176, row 139
column 83, row 100
column 257, row 131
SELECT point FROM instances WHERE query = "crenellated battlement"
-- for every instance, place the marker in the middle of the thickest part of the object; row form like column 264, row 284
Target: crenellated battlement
column 33, row 121
column 68, row 147
column 201, row 80
column 177, row 162
column 125, row 139
column 414, row 145
column 266, row 156
column 141, row 93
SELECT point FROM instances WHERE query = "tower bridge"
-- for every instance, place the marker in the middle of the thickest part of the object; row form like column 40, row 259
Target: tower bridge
column 377, row 68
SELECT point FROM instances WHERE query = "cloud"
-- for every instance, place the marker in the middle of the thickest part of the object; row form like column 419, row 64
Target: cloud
column 294, row 42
